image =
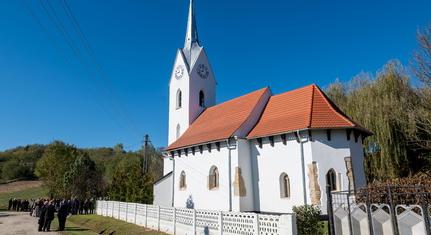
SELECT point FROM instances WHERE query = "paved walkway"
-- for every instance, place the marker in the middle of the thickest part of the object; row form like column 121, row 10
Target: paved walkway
column 19, row 223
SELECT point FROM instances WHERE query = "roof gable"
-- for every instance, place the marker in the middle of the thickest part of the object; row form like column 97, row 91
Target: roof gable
column 221, row 121
column 303, row 108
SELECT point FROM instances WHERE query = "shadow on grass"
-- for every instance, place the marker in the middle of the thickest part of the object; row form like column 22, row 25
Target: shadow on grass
column 75, row 229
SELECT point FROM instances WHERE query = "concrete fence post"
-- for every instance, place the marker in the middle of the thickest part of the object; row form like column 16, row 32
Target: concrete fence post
column 145, row 215
column 112, row 208
column 119, row 210
column 174, row 218
column 256, row 223
column 194, row 221
column 127, row 211
column 136, row 212
column 158, row 218
column 220, row 222
column 287, row 224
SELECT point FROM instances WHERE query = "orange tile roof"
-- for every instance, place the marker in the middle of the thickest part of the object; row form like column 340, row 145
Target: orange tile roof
column 219, row 122
column 303, row 108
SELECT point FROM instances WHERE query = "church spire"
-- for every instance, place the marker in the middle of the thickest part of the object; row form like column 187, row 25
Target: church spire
column 192, row 31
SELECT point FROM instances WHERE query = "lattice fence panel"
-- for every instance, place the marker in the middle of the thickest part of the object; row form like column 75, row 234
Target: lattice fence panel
column 207, row 218
column 184, row 216
column 268, row 224
column 239, row 223
column 131, row 212
column 167, row 214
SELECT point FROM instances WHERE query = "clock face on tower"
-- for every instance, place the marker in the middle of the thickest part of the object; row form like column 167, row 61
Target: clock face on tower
column 203, row 71
column 179, row 72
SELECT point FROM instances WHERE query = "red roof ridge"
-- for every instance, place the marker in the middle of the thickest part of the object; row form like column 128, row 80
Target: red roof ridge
column 310, row 117
column 251, row 111
column 236, row 98
column 331, row 106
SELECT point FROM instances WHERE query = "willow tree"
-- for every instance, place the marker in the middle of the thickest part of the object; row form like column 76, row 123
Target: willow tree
column 380, row 104
column 422, row 70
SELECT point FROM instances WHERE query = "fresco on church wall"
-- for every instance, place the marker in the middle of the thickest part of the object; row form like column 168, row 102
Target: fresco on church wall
column 314, row 183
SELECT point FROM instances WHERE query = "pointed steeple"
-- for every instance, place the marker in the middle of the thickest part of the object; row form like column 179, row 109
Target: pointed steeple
column 192, row 31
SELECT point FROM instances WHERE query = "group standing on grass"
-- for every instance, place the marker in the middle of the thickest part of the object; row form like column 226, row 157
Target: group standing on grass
column 45, row 209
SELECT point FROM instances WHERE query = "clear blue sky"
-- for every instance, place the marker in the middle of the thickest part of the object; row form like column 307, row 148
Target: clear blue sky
column 47, row 92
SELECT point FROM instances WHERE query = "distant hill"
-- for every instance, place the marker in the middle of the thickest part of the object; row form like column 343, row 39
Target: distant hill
column 20, row 162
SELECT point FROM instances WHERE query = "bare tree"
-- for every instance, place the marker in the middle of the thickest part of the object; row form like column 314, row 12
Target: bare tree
column 422, row 57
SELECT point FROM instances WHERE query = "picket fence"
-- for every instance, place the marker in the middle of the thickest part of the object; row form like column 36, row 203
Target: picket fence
column 180, row 221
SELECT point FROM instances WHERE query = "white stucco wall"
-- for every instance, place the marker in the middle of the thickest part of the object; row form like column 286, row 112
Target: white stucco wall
column 357, row 154
column 246, row 202
column 163, row 192
column 207, row 85
column 269, row 162
column 330, row 154
column 197, row 169
column 178, row 116
column 190, row 85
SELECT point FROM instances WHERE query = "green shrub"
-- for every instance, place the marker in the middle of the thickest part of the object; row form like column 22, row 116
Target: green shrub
column 308, row 220
column 14, row 169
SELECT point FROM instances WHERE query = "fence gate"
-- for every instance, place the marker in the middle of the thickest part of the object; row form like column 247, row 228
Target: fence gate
column 389, row 210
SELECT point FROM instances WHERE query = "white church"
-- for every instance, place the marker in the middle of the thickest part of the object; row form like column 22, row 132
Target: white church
column 259, row 152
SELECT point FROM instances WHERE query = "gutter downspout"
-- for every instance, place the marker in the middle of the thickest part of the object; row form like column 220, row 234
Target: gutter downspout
column 304, row 187
column 173, row 181
column 230, row 148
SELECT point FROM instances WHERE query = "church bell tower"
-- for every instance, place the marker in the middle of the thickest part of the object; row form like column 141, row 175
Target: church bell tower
column 192, row 84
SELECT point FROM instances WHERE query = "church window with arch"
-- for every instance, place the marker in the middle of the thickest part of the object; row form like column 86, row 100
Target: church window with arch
column 179, row 99
column 201, row 99
column 183, row 180
column 331, row 179
column 213, row 178
column 284, row 185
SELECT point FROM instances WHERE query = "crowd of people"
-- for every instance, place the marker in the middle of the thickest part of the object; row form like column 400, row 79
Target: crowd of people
column 45, row 209
column 19, row 205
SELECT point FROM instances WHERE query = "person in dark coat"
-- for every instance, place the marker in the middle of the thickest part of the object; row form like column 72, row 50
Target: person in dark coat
column 42, row 215
column 50, row 210
column 10, row 204
column 18, row 205
column 14, row 202
column 63, row 211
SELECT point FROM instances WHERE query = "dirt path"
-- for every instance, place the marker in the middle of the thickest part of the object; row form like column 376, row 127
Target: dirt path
column 19, row 185
column 19, row 223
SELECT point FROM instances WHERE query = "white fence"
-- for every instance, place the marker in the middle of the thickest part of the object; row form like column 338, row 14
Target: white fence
column 189, row 221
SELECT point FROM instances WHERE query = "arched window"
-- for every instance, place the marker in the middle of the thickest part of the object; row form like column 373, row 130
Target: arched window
column 213, row 178
column 179, row 99
column 331, row 179
column 284, row 185
column 178, row 131
column 201, row 99
column 183, row 180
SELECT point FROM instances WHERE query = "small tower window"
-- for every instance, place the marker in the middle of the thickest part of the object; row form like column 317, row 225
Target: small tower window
column 178, row 131
column 183, row 180
column 213, row 178
column 179, row 99
column 284, row 186
column 331, row 179
column 201, row 99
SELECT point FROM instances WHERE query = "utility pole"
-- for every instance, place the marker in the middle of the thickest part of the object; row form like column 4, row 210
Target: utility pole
column 145, row 162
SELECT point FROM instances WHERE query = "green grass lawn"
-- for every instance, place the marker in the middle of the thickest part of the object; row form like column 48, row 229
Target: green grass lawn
column 95, row 224
column 24, row 194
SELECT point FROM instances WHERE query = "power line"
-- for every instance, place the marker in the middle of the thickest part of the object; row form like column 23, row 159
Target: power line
column 60, row 27
column 98, row 66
